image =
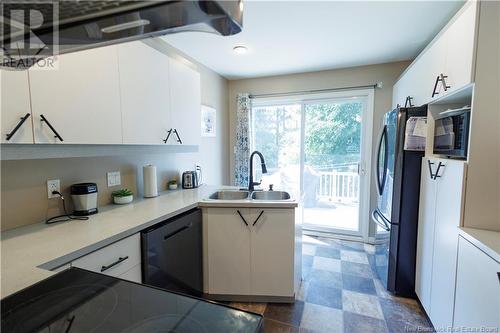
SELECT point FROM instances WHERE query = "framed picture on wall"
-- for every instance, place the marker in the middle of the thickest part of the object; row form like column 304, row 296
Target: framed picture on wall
column 208, row 121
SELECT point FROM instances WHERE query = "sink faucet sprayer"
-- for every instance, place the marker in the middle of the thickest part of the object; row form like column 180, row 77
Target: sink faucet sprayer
column 251, row 183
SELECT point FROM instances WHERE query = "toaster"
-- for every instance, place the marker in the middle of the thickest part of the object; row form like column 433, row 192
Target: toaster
column 190, row 179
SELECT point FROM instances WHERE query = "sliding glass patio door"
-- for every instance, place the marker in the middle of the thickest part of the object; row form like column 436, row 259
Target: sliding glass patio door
column 319, row 148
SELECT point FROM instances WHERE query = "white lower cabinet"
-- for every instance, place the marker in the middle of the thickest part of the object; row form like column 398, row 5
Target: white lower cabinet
column 272, row 251
column 134, row 274
column 121, row 259
column 477, row 300
column 425, row 239
column 228, row 252
column 441, row 201
column 251, row 254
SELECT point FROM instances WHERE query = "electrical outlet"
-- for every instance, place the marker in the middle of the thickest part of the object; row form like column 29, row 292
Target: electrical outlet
column 114, row 178
column 53, row 185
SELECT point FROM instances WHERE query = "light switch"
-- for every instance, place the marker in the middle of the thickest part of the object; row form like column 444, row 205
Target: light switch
column 114, row 178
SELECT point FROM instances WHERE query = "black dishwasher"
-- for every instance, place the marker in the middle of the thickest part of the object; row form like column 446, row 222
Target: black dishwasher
column 172, row 254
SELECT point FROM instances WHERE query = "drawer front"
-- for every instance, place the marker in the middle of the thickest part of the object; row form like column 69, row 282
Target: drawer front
column 134, row 274
column 114, row 259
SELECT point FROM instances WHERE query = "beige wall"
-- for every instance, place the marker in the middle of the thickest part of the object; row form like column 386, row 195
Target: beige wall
column 356, row 76
column 23, row 183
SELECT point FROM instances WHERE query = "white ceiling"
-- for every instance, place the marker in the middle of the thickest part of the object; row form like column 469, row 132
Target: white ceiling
column 300, row 36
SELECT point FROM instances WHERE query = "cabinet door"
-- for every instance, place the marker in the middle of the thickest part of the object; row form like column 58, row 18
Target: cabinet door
column 477, row 302
column 15, row 106
column 272, row 247
column 134, row 274
column 185, row 103
column 430, row 65
column 450, row 180
column 145, row 94
column 115, row 259
column 397, row 93
column 80, row 99
column 460, row 39
column 228, row 240
column 425, row 238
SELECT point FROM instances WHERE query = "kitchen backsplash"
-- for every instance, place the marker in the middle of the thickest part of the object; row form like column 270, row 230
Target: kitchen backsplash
column 24, row 192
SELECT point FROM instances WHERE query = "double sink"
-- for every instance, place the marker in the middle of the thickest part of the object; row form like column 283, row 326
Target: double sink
column 255, row 195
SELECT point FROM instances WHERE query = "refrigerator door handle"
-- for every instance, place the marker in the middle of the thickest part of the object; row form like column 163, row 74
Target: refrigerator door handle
column 383, row 140
column 380, row 220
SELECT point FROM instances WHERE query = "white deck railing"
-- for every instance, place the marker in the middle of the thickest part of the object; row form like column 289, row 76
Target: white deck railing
column 338, row 186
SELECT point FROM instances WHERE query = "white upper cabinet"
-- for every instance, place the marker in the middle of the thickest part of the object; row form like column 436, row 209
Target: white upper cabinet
column 460, row 46
column 15, row 107
column 451, row 54
column 185, row 104
column 145, row 93
column 79, row 101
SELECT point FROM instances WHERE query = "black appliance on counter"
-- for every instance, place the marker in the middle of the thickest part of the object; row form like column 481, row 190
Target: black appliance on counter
column 78, row 300
column 172, row 256
column 396, row 216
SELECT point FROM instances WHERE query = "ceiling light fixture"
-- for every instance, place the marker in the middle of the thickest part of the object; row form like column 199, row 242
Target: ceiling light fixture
column 240, row 49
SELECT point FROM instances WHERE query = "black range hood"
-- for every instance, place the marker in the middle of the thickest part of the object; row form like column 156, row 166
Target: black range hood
column 34, row 30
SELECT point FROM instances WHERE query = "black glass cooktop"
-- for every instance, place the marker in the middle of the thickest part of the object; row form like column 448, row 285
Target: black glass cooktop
column 77, row 300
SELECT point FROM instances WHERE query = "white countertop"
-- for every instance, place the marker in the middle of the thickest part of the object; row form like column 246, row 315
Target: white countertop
column 486, row 240
column 25, row 249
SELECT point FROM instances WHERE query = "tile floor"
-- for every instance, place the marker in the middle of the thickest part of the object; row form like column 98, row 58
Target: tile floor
column 341, row 293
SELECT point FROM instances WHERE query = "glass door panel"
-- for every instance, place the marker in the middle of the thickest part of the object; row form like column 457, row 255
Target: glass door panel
column 331, row 172
column 276, row 133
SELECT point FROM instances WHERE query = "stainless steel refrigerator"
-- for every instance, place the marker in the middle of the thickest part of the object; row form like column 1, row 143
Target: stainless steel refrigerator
column 397, row 177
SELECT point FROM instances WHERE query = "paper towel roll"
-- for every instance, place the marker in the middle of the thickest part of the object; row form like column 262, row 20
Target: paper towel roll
column 149, row 179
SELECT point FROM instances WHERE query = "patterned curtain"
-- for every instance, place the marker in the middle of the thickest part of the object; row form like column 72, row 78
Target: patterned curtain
column 242, row 151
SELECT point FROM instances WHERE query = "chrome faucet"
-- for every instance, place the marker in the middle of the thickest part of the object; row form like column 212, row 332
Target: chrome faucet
column 251, row 183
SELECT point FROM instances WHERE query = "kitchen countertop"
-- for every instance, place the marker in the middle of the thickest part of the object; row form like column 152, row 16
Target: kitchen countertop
column 29, row 253
column 486, row 240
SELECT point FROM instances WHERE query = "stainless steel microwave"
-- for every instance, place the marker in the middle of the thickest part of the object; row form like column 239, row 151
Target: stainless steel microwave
column 451, row 133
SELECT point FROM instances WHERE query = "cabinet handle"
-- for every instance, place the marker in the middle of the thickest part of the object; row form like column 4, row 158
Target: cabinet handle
column 437, row 171
column 443, row 77
column 242, row 218
column 440, row 78
column 178, row 137
column 19, row 124
column 120, row 259
column 429, row 163
column 434, row 92
column 168, row 136
column 408, row 102
column 258, row 217
column 70, row 323
column 56, row 135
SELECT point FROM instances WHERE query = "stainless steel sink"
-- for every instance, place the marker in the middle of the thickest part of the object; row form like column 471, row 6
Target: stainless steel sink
column 229, row 195
column 270, row 195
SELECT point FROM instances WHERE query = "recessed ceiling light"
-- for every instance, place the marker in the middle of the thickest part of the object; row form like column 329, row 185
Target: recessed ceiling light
column 240, row 49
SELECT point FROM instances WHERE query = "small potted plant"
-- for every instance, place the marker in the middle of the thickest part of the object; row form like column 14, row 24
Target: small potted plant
column 172, row 185
column 123, row 196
